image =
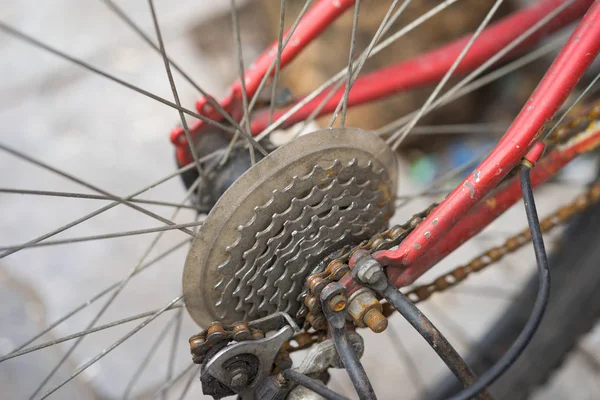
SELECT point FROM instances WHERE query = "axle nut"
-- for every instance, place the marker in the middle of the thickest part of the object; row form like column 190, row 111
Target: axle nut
column 375, row 320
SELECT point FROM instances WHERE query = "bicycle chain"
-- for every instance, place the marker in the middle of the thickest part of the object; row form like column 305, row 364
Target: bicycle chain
column 334, row 267
column 512, row 244
column 392, row 237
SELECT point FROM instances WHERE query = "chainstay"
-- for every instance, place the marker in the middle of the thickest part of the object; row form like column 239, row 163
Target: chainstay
column 512, row 244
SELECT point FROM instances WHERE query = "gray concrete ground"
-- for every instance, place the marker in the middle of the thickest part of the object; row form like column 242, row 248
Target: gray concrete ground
column 118, row 140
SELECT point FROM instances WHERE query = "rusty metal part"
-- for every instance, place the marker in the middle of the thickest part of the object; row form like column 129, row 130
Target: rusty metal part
column 303, row 201
column 366, row 310
column 217, row 333
column 243, row 366
column 415, row 317
column 512, row 244
column 336, row 268
column 336, row 321
column 393, row 236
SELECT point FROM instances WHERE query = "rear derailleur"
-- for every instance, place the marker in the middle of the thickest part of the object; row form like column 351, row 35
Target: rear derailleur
column 242, row 359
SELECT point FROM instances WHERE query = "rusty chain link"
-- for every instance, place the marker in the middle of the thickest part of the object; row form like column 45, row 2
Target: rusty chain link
column 337, row 267
column 334, row 267
column 512, row 244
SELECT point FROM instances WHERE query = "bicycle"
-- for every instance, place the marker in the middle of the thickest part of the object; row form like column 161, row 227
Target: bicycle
column 307, row 221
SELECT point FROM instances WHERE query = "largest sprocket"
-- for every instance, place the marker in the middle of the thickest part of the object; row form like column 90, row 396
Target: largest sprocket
column 277, row 221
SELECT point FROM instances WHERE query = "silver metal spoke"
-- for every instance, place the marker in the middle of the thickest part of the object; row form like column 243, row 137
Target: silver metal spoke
column 184, row 124
column 121, row 14
column 173, row 381
column 94, row 197
column 448, row 75
column 485, row 129
column 277, row 59
column 112, row 347
column 82, row 333
column 73, row 178
column 174, row 343
column 337, row 77
column 461, row 86
column 384, row 27
column 20, row 35
column 575, row 102
column 240, row 57
column 453, row 173
column 428, row 193
column 265, row 78
column 349, row 80
column 107, row 236
column 99, row 211
column 97, row 296
column 410, row 367
column 188, row 384
column 478, row 83
column 114, row 294
column 148, row 357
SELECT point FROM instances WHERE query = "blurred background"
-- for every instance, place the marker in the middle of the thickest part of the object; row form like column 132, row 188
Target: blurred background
column 118, row 140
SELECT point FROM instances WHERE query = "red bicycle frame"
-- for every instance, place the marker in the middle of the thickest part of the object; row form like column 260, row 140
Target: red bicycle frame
column 462, row 214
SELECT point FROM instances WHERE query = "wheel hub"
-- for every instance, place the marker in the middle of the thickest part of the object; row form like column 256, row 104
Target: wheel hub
column 281, row 217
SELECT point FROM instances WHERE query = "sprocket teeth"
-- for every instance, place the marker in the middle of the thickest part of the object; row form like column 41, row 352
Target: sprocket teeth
column 286, row 237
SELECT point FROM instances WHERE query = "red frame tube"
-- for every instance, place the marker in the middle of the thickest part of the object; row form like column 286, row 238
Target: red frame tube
column 495, row 205
column 422, row 70
column 566, row 70
column 430, row 67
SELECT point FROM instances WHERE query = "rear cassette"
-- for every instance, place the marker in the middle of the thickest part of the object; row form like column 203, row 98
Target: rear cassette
column 310, row 197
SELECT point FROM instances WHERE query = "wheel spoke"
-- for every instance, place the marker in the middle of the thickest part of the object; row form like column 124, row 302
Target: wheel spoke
column 114, row 294
column 416, row 378
column 340, row 75
column 384, row 27
column 98, row 296
column 453, row 173
column 174, row 380
column 265, row 78
column 448, row 75
column 119, row 12
column 94, row 197
column 188, row 384
column 99, row 211
column 106, row 236
column 113, row 346
column 240, row 56
column 88, row 185
column 575, row 102
column 148, row 357
column 349, row 68
column 485, row 129
column 461, row 87
column 174, row 343
column 20, row 35
column 163, row 52
column 82, row 333
column 277, row 59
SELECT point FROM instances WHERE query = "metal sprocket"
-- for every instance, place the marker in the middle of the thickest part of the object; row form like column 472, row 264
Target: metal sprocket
column 278, row 220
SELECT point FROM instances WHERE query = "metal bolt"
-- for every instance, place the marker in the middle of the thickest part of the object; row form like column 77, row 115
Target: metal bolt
column 239, row 379
column 369, row 271
column 375, row 320
column 337, row 302
column 373, row 275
